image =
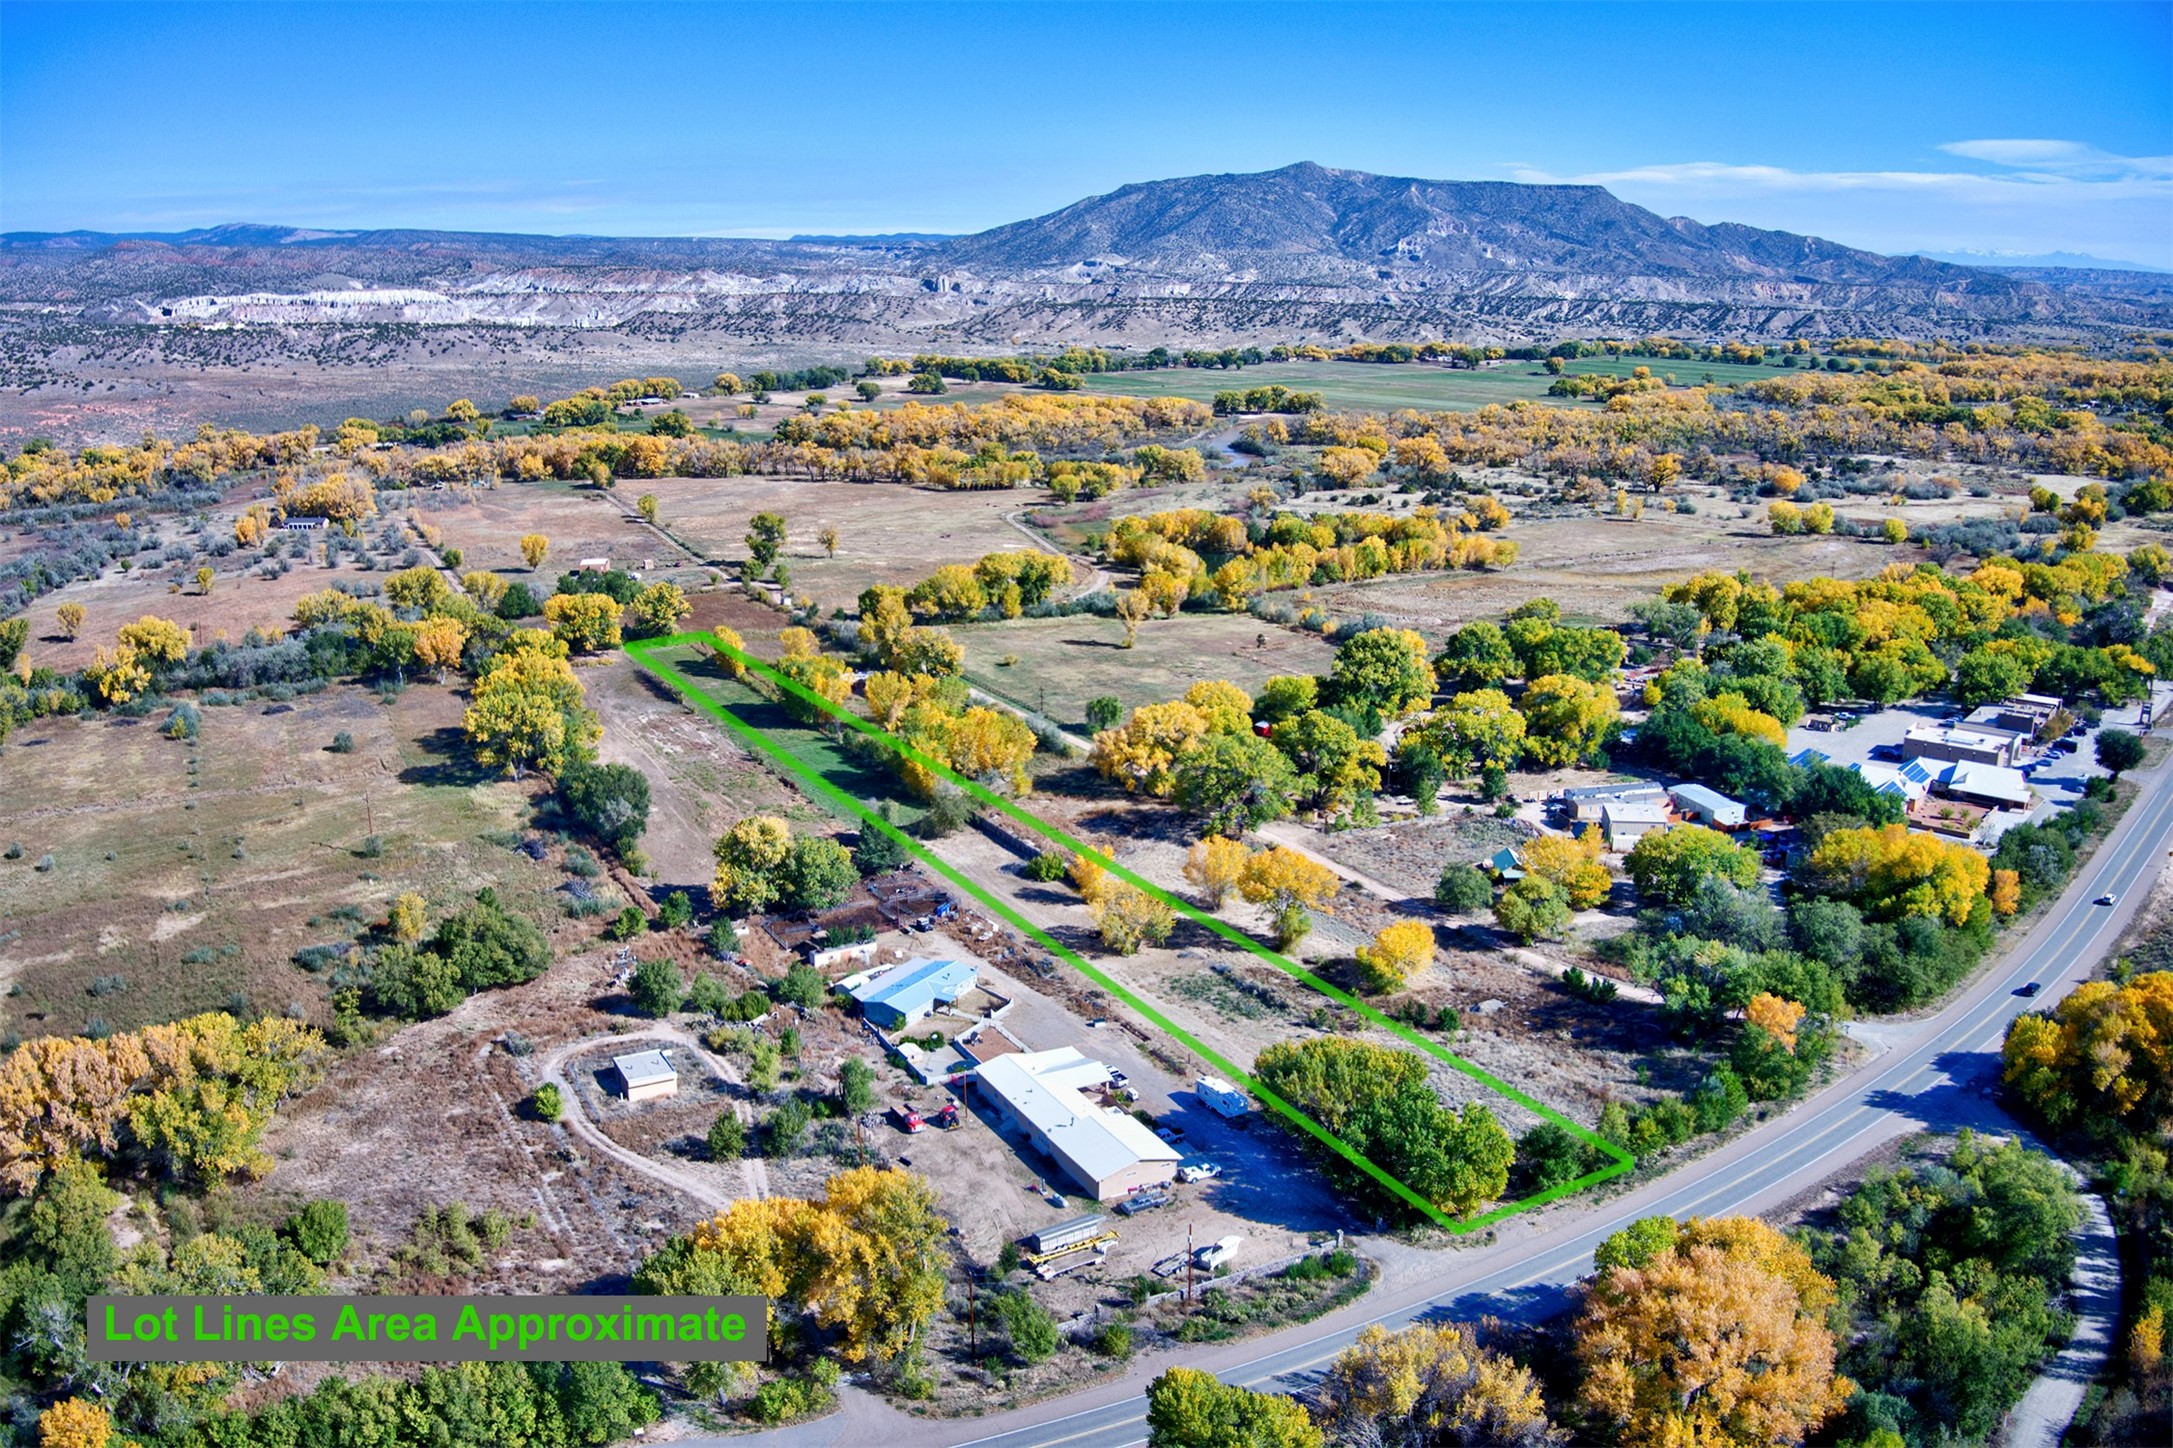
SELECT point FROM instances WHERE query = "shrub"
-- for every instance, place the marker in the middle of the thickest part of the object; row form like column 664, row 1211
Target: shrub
column 630, row 923
column 342, row 743
column 1028, row 1325
column 656, row 987
column 727, row 1137
column 548, row 1104
column 318, row 1231
column 676, row 911
column 1048, row 867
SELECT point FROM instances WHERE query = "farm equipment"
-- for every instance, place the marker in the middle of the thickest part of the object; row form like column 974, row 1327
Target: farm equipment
column 947, row 1118
column 1067, row 1246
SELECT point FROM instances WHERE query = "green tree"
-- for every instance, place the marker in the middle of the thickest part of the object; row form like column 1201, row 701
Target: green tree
column 727, row 1138
column 802, row 986
column 1104, row 711
column 765, row 537
column 1334, row 765
column 2119, row 751
column 610, row 801
column 876, row 852
column 1379, row 1102
column 817, row 874
column 1477, row 657
column 1463, row 889
column 1669, row 864
column 318, row 1230
column 1532, row 908
column 1187, row 1408
column 1235, row 782
column 1383, row 669
column 656, row 988
column 856, row 1086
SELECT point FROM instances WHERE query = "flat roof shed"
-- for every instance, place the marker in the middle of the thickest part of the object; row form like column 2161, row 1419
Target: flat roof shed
column 646, row 1075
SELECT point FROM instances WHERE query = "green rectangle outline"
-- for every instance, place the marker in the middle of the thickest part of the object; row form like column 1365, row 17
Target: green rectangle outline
column 642, row 652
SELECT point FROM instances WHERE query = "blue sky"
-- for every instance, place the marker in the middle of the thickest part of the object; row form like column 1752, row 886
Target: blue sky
column 1943, row 127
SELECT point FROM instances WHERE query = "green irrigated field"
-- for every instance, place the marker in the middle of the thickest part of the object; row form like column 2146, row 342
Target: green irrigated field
column 1426, row 386
column 1344, row 385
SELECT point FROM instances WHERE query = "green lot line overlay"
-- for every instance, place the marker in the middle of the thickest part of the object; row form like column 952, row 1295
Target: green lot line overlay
column 644, row 653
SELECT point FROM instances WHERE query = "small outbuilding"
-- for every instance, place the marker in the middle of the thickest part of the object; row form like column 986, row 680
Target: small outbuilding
column 646, row 1075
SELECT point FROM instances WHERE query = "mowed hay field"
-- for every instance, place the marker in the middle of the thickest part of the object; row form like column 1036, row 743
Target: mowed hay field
column 185, row 872
column 887, row 533
column 1063, row 662
column 1595, row 568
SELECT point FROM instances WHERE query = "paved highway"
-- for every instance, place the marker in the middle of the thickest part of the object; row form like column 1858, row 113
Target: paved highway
column 1938, row 1071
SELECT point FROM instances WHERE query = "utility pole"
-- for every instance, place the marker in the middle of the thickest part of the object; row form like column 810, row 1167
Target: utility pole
column 973, row 1312
column 1188, row 1264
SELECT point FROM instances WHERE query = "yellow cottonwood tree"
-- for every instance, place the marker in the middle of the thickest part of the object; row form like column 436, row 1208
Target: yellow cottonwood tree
column 1397, row 953
column 1142, row 752
column 1716, row 1339
column 1215, row 866
column 587, row 622
column 1430, row 1384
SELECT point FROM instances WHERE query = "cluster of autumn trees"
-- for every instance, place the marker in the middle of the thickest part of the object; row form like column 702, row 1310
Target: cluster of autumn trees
column 41, row 475
column 1914, row 1318
column 1191, row 554
column 190, row 1099
column 2097, row 1070
column 858, row 1271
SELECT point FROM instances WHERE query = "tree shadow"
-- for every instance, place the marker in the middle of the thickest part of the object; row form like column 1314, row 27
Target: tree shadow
column 450, row 764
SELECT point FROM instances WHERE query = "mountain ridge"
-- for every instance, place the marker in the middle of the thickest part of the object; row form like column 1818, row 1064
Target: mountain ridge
column 1304, row 245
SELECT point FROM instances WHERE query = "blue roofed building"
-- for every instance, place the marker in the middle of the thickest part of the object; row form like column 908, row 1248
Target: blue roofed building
column 906, row 993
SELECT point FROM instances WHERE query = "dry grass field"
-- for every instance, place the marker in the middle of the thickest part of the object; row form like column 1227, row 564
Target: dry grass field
column 887, row 533
column 1596, row 568
column 1063, row 662
column 186, row 872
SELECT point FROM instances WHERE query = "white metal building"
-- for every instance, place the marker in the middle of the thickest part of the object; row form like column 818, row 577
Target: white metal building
column 1106, row 1152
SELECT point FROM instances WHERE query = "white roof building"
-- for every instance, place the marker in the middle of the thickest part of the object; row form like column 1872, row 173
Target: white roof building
column 1986, row 784
column 646, row 1075
column 1628, row 821
column 1107, row 1152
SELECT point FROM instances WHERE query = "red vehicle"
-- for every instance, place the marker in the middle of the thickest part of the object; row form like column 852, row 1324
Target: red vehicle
column 948, row 1116
column 909, row 1121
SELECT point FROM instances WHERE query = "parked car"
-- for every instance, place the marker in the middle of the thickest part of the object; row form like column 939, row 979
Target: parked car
column 1170, row 1134
column 1198, row 1171
column 1886, row 751
column 1145, row 1201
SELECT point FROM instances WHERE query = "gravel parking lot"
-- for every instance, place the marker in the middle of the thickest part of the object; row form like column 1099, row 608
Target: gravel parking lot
column 2059, row 782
